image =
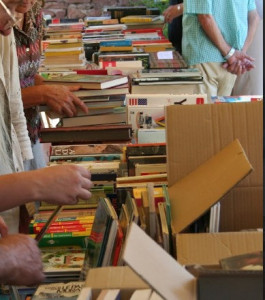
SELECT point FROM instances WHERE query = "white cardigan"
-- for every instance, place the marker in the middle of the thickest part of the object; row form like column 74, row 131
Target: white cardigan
column 10, row 97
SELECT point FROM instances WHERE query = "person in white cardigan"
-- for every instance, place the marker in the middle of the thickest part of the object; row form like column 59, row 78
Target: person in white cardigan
column 11, row 109
column 20, row 259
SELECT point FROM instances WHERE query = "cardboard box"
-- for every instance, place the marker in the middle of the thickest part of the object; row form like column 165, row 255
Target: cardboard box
column 121, row 277
column 197, row 132
column 173, row 281
column 194, row 194
column 209, row 248
column 217, row 284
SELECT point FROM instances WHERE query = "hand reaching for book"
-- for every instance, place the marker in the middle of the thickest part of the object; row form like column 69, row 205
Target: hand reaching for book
column 65, row 184
column 61, row 100
column 20, row 261
column 58, row 185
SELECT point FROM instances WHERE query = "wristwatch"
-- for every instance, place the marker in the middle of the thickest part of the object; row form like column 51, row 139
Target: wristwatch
column 230, row 53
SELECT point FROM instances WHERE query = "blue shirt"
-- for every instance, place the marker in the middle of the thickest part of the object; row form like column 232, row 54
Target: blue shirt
column 231, row 17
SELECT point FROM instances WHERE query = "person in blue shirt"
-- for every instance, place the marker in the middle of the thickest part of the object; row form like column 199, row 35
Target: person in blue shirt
column 216, row 36
column 173, row 16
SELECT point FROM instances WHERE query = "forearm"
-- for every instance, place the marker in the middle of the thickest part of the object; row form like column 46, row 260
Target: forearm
column 214, row 34
column 19, row 188
column 253, row 20
column 33, row 96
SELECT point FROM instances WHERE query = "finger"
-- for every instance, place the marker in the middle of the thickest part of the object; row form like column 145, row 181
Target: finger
column 84, row 194
column 67, row 110
column 73, row 88
column 80, row 104
column 84, row 172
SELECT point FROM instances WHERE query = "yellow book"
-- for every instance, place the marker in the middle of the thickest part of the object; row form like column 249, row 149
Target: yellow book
column 64, row 53
column 139, row 19
column 64, row 45
column 114, row 48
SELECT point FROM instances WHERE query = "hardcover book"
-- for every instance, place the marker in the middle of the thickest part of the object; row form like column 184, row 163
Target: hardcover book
column 90, row 81
column 85, row 134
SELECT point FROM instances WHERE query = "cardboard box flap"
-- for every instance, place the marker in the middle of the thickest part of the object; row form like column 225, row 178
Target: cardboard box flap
column 113, row 278
column 152, row 263
column 193, row 195
column 209, row 248
column 197, row 132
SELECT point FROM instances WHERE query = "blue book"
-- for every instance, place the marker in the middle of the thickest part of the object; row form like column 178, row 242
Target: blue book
column 117, row 43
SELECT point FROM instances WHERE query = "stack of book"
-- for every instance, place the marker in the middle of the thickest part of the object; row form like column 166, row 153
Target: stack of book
column 146, row 112
column 109, row 109
column 94, row 34
column 64, row 54
column 70, row 228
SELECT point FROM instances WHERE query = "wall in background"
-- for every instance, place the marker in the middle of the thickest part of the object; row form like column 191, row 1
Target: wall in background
column 78, row 8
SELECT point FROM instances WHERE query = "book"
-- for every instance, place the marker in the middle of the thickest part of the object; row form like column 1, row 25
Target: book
column 129, row 56
column 90, row 81
column 247, row 261
column 116, row 43
column 63, row 263
column 141, row 294
column 59, row 290
column 85, row 134
column 109, row 294
column 139, row 19
column 100, row 119
column 164, row 226
column 118, row 90
column 84, row 149
column 115, row 48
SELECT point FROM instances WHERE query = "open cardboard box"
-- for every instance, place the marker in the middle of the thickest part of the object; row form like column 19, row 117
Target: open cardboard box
column 200, row 132
column 165, row 274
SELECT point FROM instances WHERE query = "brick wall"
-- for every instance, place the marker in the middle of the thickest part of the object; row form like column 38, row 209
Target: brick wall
column 79, row 8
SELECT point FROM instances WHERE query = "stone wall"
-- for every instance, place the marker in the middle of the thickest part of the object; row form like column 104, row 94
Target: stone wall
column 79, row 8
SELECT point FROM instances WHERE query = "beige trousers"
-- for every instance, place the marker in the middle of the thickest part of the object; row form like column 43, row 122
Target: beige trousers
column 217, row 81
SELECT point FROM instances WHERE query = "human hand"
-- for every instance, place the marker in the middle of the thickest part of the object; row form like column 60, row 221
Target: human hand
column 172, row 12
column 61, row 100
column 20, row 262
column 64, row 184
column 239, row 63
column 3, row 228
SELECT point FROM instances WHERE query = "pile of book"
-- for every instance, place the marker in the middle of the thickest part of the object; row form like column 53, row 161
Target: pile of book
column 146, row 112
column 62, row 46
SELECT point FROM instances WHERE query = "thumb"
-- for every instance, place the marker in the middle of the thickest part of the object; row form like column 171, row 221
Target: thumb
column 73, row 88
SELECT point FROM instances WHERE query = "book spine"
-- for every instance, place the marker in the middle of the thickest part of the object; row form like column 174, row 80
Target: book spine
column 117, row 43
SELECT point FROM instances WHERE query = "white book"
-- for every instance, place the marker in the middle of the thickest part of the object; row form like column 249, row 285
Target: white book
column 141, row 294
column 109, row 294
column 164, row 99
column 85, row 294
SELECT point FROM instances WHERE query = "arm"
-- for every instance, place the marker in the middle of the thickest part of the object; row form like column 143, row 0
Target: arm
column 172, row 12
column 20, row 261
column 59, row 185
column 58, row 97
column 239, row 62
column 253, row 20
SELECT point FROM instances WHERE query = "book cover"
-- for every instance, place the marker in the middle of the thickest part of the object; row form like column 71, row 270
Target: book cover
column 116, row 43
column 60, row 261
column 59, row 290
column 85, row 149
column 90, row 81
